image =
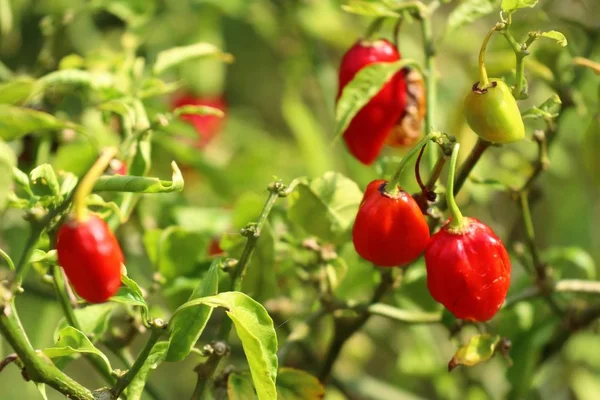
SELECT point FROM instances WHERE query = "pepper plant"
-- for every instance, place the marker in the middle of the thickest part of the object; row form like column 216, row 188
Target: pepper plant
column 353, row 273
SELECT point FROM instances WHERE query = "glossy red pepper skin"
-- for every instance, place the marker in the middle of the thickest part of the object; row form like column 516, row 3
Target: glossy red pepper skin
column 207, row 126
column 468, row 271
column 389, row 230
column 91, row 257
column 370, row 127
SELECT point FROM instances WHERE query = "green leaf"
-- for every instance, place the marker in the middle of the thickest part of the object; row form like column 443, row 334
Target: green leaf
column 93, row 319
column 239, row 386
column 295, row 384
column 326, row 207
column 255, row 330
column 44, row 181
column 75, row 78
column 212, row 221
column 71, row 343
column 140, row 184
column 177, row 251
column 187, row 326
column 513, row 5
column 16, row 122
column 198, row 110
column 157, row 355
column 130, row 294
column 555, row 35
column 16, row 91
column 479, row 349
column 469, row 11
column 42, row 261
column 369, row 8
column 22, row 180
column 8, row 160
column 362, row 88
column 169, row 58
column 571, row 263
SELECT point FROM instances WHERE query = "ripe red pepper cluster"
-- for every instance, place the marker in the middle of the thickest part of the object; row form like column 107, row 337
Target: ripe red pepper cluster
column 468, row 268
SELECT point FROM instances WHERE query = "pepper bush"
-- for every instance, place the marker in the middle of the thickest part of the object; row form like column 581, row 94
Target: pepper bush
column 212, row 138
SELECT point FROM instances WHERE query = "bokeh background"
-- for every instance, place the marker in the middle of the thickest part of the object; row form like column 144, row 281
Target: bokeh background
column 279, row 96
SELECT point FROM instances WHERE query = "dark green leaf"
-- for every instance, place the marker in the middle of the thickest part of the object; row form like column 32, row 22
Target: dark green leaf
column 16, row 122
column 178, row 250
column 571, row 263
column 239, row 387
column 326, row 207
column 187, row 326
column 169, row 58
column 140, row 184
column 94, row 320
column 479, row 349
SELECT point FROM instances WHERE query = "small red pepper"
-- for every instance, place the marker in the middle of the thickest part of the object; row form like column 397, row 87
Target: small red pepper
column 91, row 257
column 468, row 270
column 389, row 229
column 207, row 126
column 367, row 133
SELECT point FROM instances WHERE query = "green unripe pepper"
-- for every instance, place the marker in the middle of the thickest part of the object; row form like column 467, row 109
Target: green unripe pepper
column 493, row 113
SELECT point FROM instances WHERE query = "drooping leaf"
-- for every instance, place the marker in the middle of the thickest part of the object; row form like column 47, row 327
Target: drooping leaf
column 93, row 319
column 8, row 160
column 255, row 330
column 169, row 58
column 369, row 8
column 16, row 91
column 130, row 293
column 157, row 355
column 71, row 343
column 295, row 384
column 556, row 35
column 479, row 349
column 16, row 122
column 140, row 184
column 326, row 207
column 198, row 110
column 469, row 11
column 187, row 326
column 513, row 5
column 362, row 88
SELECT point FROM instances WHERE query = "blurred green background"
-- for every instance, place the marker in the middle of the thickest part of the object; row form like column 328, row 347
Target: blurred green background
column 280, row 94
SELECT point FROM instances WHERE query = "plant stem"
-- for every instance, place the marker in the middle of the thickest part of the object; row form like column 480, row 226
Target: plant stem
column 484, row 81
column 430, row 82
column 38, row 370
column 465, row 169
column 392, row 185
column 65, row 304
column 458, row 220
column 344, row 329
column 373, row 28
column 542, row 280
column 413, row 317
column 124, row 381
column 86, row 185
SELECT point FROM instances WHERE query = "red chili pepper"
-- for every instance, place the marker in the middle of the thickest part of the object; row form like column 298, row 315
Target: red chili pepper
column 389, row 230
column 468, row 270
column 91, row 257
column 367, row 133
column 207, row 126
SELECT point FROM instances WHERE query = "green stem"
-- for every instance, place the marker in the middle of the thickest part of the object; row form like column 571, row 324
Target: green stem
column 86, row 185
column 413, row 317
column 373, row 28
column 125, row 380
column 65, row 303
column 430, row 83
column 458, row 220
column 392, row 185
column 8, row 260
column 520, row 55
column 484, row 81
column 37, row 369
